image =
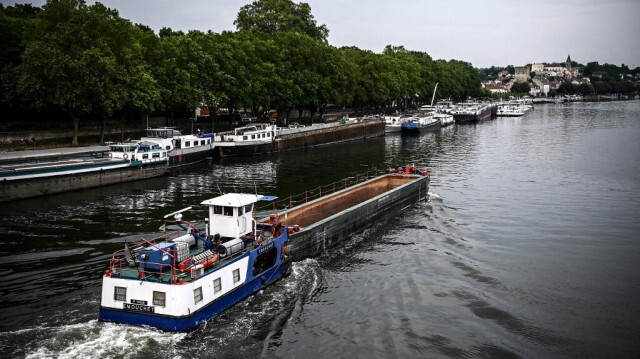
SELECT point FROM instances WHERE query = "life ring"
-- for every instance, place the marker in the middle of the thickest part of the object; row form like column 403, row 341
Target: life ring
column 125, row 156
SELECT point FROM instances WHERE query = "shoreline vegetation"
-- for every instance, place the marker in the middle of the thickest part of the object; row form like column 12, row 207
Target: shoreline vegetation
column 69, row 66
column 69, row 62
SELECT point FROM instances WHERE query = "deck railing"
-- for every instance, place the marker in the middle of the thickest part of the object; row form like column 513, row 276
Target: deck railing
column 318, row 192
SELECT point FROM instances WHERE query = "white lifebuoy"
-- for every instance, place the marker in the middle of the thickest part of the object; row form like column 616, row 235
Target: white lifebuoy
column 125, row 156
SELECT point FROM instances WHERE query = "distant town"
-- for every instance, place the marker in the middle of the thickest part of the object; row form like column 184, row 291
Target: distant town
column 570, row 77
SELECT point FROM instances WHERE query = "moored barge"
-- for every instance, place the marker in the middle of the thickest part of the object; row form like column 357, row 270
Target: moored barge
column 125, row 162
column 263, row 138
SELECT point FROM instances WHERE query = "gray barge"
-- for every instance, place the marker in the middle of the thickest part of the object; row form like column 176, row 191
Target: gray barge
column 332, row 219
column 123, row 163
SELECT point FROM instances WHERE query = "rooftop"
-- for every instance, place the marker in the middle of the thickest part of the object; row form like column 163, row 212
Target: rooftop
column 233, row 200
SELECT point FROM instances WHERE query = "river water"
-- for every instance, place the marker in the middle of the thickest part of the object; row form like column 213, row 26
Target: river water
column 528, row 247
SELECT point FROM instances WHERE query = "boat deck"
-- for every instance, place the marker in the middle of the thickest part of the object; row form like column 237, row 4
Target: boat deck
column 134, row 272
column 53, row 165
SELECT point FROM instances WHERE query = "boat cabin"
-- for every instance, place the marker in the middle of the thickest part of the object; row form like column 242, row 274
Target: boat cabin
column 170, row 138
column 259, row 132
column 231, row 215
column 138, row 153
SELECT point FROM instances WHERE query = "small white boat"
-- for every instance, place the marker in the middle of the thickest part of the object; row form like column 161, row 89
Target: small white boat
column 393, row 124
column 510, row 110
column 444, row 118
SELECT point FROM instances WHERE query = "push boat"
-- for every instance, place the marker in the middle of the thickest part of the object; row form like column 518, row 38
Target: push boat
column 177, row 281
column 124, row 162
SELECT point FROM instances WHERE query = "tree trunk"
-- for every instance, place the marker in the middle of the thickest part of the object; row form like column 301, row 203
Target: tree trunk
column 322, row 108
column 75, row 118
column 103, row 128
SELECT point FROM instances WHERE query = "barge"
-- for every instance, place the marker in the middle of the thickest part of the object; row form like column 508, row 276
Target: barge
column 420, row 124
column 264, row 138
column 124, row 163
column 334, row 218
column 178, row 281
column 473, row 111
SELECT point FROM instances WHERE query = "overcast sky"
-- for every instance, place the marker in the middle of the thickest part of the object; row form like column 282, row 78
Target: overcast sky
column 484, row 33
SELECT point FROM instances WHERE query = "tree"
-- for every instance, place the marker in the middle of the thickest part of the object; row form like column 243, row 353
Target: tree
column 273, row 16
column 566, row 88
column 82, row 59
column 58, row 64
column 520, row 88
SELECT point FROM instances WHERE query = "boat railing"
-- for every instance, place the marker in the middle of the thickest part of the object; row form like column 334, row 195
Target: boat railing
column 118, row 259
column 320, row 191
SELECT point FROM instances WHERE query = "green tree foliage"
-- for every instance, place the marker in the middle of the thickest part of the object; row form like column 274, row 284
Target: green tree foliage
column 88, row 61
column 82, row 59
column 520, row 88
column 273, row 16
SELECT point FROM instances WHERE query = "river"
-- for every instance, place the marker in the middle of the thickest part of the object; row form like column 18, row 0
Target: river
column 527, row 247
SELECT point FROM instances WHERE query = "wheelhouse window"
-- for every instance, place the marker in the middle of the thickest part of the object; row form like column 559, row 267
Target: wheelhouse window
column 217, row 209
column 120, row 294
column 244, row 138
column 236, row 275
column 248, row 208
column 197, row 295
column 159, row 298
column 217, row 286
column 187, row 144
column 145, row 156
column 228, row 211
column 253, row 137
column 240, row 211
column 155, row 155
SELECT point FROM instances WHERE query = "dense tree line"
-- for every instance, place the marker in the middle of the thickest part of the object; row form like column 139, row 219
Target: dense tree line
column 86, row 61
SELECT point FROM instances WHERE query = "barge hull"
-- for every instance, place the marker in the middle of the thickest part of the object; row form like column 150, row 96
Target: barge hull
column 184, row 157
column 34, row 187
column 351, row 211
column 308, row 138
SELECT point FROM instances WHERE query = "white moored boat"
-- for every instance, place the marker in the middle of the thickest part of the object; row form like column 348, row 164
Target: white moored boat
column 510, row 110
